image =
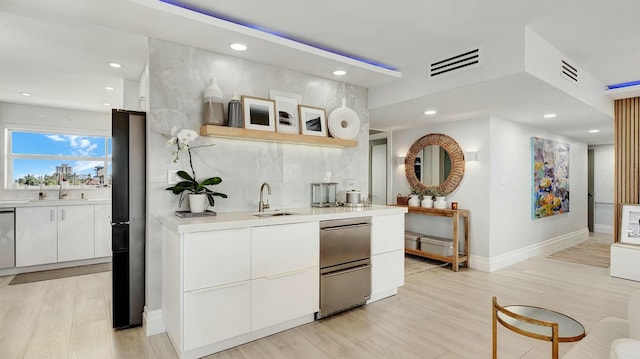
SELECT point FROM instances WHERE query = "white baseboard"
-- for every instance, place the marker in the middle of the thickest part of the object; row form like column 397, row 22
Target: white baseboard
column 152, row 322
column 603, row 228
column 546, row 247
column 50, row 266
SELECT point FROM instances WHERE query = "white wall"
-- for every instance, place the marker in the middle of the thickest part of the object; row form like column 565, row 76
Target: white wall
column 512, row 226
column 497, row 189
column 603, row 187
column 50, row 119
column 178, row 76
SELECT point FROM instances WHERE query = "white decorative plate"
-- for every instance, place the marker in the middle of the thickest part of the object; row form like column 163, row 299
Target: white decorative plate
column 344, row 122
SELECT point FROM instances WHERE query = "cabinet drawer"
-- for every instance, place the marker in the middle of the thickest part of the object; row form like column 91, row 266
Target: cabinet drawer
column 387, row 272
column 284, row 297
column 215, row 314
column 284, row 248
column 216, row 258
column 387, row 233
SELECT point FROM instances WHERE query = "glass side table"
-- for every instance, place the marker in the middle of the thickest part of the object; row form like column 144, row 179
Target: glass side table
column 535, row 322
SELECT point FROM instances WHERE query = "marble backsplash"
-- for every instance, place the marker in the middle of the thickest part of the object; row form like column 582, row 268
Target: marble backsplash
column 178, row 77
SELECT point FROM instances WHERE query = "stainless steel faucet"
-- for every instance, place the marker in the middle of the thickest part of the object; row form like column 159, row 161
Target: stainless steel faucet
column 62, row 193
column 261, row 205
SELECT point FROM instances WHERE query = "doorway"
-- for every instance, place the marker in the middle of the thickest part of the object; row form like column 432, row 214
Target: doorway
column 590, row 187
column 378, row 171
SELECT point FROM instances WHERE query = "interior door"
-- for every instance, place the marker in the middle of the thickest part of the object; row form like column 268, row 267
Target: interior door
column 378, row 171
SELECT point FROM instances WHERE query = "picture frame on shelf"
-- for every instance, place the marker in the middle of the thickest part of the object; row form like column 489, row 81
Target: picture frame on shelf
column 313, row 121
column 258, row 113
column 630, row 231
column 287, row 120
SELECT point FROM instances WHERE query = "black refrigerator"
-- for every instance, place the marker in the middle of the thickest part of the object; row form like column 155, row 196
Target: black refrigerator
column 128, row 199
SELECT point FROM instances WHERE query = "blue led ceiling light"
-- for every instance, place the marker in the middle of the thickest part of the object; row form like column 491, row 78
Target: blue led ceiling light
column 213, row 14
column 623, row 84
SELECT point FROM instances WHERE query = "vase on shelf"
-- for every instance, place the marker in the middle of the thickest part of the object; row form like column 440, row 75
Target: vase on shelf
column 440, row 202
column 427, row 202
column 197, row 203
column 414, row 201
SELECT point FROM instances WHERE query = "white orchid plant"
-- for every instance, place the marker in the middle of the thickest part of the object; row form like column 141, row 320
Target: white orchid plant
column 181, row 139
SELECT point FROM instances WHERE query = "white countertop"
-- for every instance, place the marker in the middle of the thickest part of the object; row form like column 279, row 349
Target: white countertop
column 233, row 220
column 50, row 202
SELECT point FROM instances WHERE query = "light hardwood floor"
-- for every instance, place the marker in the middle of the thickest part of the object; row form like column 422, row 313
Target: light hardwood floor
column 437, row 314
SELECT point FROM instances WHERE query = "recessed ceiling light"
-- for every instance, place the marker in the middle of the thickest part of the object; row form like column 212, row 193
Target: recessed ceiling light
column 430, row 112
column 239, row 47
column 115, row 65
column 594, row 131
column 550, row 115
column 25, row 94
column 108, row 88
column 339, row 72
column 107, row 104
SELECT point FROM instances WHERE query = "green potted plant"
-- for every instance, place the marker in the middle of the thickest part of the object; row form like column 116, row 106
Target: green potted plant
column 427, row 198
column 414, row 200
column 198, row 191
column 440, row 198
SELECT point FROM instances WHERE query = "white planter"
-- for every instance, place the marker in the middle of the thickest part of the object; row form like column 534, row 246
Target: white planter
column 440, row 203
column 414, row 201
column 198, row 203
column 427, row 202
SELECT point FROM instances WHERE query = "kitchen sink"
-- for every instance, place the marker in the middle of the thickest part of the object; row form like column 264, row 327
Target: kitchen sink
column 272, row 214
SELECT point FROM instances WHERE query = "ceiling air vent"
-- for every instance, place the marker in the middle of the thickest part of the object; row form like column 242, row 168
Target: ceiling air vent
column 569, row 72
column 466, row 60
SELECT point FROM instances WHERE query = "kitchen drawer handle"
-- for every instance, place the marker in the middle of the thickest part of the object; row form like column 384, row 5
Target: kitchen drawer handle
column 333, row 274
column 348, row 226
column 275, row 276
column 209, row 289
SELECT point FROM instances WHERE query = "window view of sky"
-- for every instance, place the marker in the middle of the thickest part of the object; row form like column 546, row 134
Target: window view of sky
column 39, row 154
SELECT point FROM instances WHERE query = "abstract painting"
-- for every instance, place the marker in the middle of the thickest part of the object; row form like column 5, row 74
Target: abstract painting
column 550, row 177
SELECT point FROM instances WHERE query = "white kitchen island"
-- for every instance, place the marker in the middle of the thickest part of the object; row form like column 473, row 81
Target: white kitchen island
column 235, row 277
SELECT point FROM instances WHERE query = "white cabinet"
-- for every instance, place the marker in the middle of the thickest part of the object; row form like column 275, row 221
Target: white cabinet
column 216, row 285
column 36, row 236
column 387, row 255
column 216, row 258
column 225, row 287
column 284, row 248
column 102, row 240
column 387, row 233
column 51, row 234
column 215, row 314
column 279, row 298
column 76, row 233
column 285, row 273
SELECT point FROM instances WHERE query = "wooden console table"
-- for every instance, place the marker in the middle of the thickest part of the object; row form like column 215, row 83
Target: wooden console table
column 455, row 214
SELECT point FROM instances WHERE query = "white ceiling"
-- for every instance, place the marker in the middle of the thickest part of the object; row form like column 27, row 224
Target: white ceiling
column 58, row 50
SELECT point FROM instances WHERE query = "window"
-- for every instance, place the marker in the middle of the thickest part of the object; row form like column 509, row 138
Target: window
column 38, row 159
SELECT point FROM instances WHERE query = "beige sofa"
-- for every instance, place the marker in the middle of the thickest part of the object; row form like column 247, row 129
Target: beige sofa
column 612, row 338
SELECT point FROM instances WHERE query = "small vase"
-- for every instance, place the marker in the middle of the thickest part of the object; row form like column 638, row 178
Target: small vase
column 414, row 201
column 427, row 202
column 440, row 202
column 197, row 203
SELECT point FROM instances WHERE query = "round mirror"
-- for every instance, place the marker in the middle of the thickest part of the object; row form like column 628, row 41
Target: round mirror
column 435, row 161
column 432, row 165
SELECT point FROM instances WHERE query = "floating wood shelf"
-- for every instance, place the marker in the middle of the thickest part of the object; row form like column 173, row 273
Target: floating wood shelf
column 256, row 135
